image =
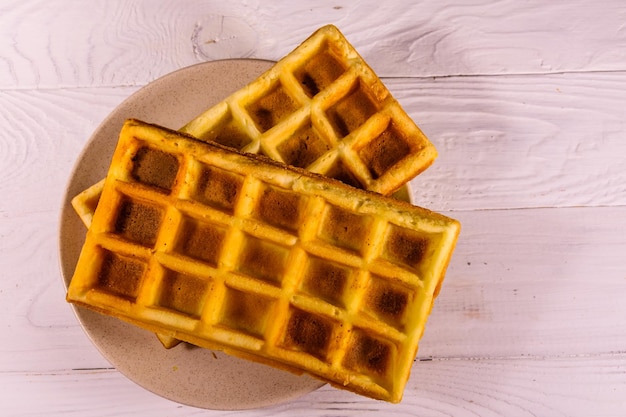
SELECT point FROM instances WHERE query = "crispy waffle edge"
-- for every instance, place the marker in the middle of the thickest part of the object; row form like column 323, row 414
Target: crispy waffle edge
column 337, row 185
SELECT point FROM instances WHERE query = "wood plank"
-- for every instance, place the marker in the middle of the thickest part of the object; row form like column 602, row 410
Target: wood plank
column 486, row 387
column 133, row 43
column 520, row 141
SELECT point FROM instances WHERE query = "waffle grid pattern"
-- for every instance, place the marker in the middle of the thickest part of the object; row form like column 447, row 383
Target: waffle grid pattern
column 210, row 247
column 324, row 109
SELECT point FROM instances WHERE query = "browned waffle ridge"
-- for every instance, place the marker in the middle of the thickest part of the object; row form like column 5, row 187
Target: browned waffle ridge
column 264, row 261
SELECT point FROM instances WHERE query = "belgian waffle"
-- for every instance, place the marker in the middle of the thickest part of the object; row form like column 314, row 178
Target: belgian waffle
column 236, row 252
column 322, row 108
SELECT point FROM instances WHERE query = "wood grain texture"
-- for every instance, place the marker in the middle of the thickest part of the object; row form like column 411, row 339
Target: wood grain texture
column 552, row 387
column 43, row 133
column 521, row 141
column 532, row 282
column 133, row 42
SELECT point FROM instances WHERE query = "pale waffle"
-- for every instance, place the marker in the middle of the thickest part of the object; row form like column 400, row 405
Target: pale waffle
column 233, row 251
column 321, row 108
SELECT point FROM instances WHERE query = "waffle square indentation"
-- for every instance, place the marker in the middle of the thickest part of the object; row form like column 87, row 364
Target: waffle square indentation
column 304, row 147
column 138, row 222
column 384, row 151
column 154, row 167
column 326, row 280
column 388, row 302
column 121, row 275
column 349, row 113
column 272, row 108
column 344, row 228
column 279, row 208
column 263, row 260
column 200, row 240
column 218, row 188
column 182, row 293
column 371, row 356
column 319, row 72
column 308, row 332
column 246, row 312
column 408, row 248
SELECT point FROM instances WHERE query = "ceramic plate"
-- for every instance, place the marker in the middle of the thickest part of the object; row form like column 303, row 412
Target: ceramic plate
column 185, row 374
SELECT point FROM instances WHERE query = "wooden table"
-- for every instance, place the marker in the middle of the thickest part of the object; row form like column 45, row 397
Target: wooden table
column 526, row 103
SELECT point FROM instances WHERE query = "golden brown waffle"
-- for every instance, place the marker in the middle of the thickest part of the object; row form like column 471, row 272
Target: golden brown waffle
column 322, row 108
column 264, row 261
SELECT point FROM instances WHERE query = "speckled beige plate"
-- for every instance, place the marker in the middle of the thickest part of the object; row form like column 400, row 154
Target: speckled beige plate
column 186, row 374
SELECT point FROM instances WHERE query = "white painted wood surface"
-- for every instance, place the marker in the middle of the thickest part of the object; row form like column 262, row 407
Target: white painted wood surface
column 526, row 102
